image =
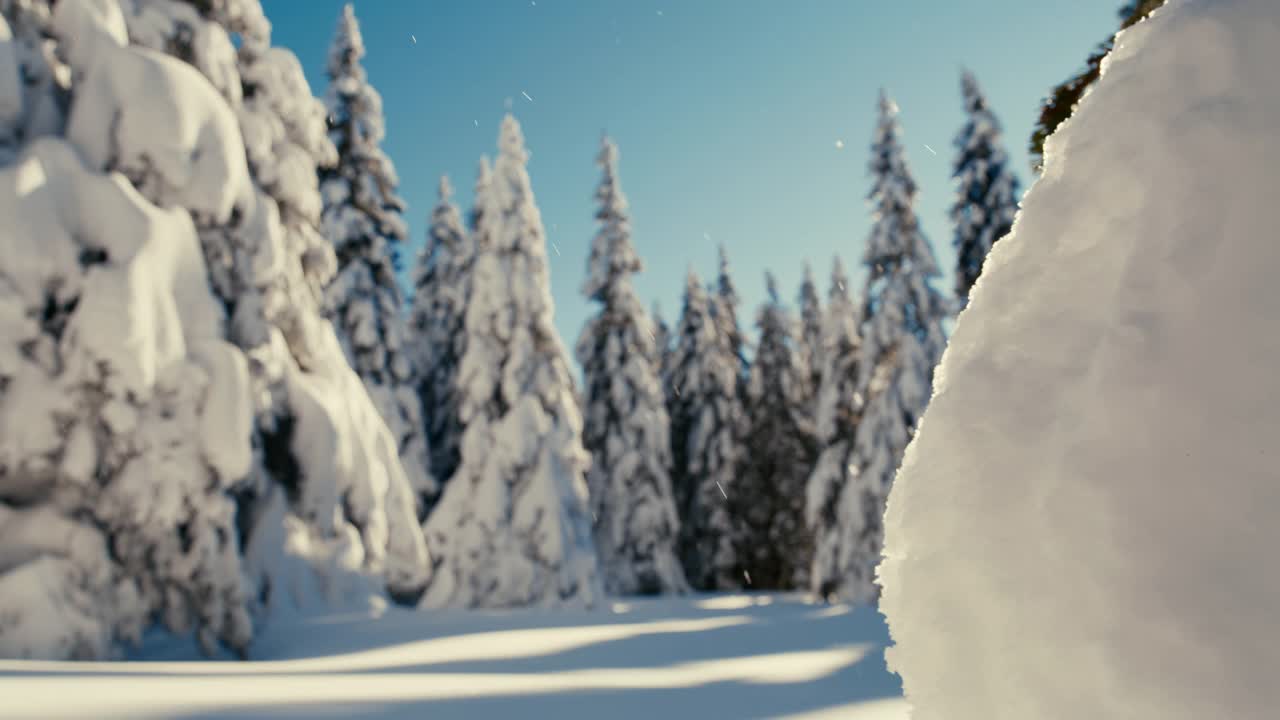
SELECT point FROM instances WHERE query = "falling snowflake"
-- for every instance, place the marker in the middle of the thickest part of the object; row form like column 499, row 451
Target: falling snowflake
column 477, row 122
column 839, row 144
column 526, row 96
column 706, row 236
column 747, row 575
column 414, row 39
column 722, row 492
column 659, row 13
column 926, row 147
column 556, row 248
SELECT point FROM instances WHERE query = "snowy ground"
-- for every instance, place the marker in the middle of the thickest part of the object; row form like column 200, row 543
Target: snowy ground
column 728, row 656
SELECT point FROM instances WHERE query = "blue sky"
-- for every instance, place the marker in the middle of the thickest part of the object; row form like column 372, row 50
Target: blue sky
column 727, row 114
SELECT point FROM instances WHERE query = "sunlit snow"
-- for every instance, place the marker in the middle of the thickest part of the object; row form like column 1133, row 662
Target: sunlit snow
column 739, row 656
column 1085, row 526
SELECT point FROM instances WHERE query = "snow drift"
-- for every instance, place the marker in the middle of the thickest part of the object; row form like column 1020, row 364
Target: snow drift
column 1085, row 525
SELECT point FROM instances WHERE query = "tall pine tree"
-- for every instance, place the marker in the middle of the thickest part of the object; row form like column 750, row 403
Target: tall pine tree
column 810, row 355
column 987, row 189
column 724, row 310
column 833, row 515
column 902, row 339
column 626, row 426
column 661, row 342
column 773, row 542
column 437, row 319
column 362, row 218
column 705, row 415
column 513, row 527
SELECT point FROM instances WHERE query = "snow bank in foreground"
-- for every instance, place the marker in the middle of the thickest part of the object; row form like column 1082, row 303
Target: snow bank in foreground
column 1085, row 526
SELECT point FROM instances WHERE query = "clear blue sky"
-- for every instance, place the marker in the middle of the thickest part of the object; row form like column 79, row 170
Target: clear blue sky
column 727, row 113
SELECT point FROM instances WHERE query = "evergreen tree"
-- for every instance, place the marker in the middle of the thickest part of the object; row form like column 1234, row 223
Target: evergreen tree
column 661, row 342
column 724, row 310
column 513, row 526
column 1056, row 108
column 705, row 414
column 902, row 340
column 832, row 515
column 810, row 353
column 362, row 218
column 180, row 427
column 774, row 545
column 441, row 285
column 626, row 426
column 987, row 192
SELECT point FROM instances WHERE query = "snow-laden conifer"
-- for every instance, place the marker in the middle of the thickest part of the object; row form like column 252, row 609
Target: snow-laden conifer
column 986, row 188
column 362, row 217
column 773, row 541
column 625, row 419
column 705, row 414
column 513, row 526
column 437, row 321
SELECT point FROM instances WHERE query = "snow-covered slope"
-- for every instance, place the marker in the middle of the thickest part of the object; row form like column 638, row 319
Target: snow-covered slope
column 740, row 657
column 1086, row 523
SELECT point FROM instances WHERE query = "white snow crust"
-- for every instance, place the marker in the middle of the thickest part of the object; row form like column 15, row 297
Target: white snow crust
column 1085, row 525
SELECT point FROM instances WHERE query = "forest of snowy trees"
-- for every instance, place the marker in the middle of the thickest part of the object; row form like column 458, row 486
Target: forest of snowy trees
column 219, row 402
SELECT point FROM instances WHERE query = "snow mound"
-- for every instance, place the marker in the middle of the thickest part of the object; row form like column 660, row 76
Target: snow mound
column 152, row 117
column 1085, row 524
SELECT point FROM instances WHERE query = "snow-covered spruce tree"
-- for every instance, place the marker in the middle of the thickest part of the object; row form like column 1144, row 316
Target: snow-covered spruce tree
column 437, row 321
column 809, row 342
column 773, row 543
column 661, row 342
column 513, row 527
column 625, row 423
column 986, row 190
column 810, row 355
column 724, row 310
column 124, row 415
column 832, row 515
column 362, row 218
column 705, row 414
column 326, row 511
column 902, row 341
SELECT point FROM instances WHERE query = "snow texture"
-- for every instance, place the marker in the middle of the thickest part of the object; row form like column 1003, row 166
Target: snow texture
column 626, row 425
column 438, row 323
column 774, row 545
column 901, row 339
column 513, row 527
column 1085, row 523
column 362, row 218
column 833, row 497
column 986, row 188
column 706, row 416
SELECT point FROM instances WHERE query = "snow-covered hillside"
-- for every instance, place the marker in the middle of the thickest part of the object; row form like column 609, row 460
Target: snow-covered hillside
column 1085, row 526
column 734, row 656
